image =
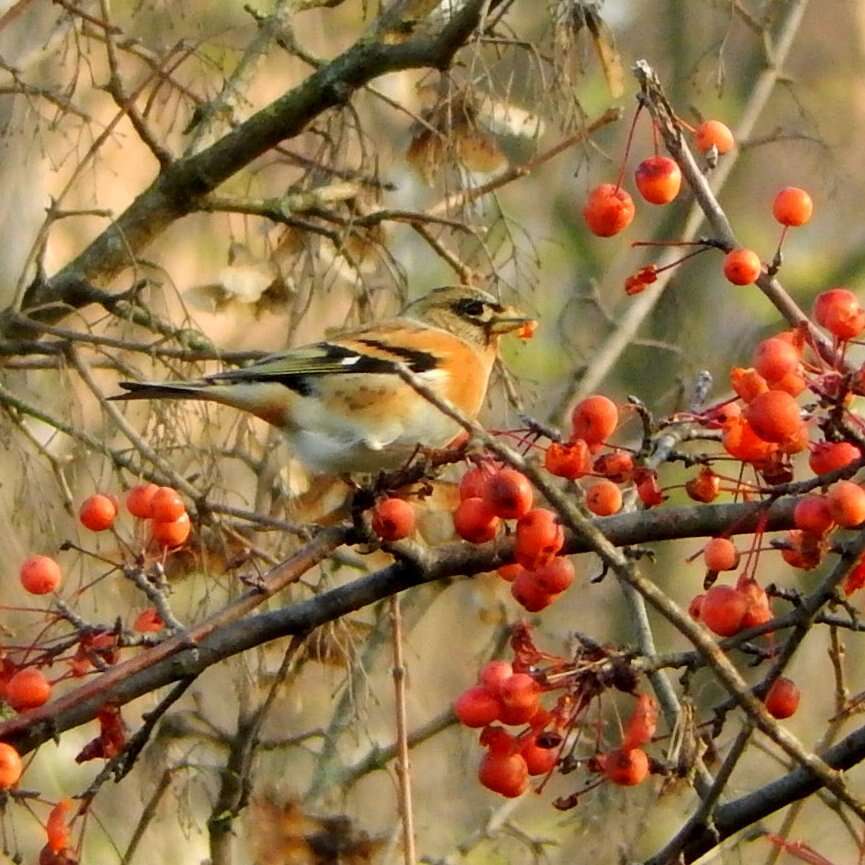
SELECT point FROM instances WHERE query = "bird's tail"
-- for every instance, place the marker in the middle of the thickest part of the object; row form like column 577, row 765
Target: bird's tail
column 163, row 390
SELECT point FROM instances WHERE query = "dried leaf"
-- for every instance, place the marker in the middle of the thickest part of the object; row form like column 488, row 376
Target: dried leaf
column 611, row 60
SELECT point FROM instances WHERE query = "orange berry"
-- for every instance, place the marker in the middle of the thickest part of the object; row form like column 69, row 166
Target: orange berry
column 568, row 460
column 720, row 554
column 473, row 521
column 11, row 766
column 477, row 707
column 626, row 768
column 792, row 206
column 705, row 487
column 830, row 456
column 617, row 466
column 604, row 498
column 723, row 610
column 659, row 179
column 139, row 500
column 774, row 416
column 167, row 505
column 813, row 514
column 742, row 266
column 56, row 828
column 782, row 700
column 609, row 209
column 510, row 572
column 792, row 383
column 97, row 513
column 748, row 384
column 40, row 575
column 539, row 537
column 713, row 133
column 508, row 494
column 642, row 723
column 594, row 419
column 393, row 519
column 839, row 312
column 846, row 502
column 742, row 442
column 759, row 610
column 171, row 533
column 27, row 689
column 505, row 774
column 804, row 550
column 774, row 358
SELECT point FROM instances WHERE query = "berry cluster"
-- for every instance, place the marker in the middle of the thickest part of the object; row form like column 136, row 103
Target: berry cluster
column 509, row 694
column 30, row 672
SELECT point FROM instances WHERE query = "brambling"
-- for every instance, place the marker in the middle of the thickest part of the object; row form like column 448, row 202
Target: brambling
column 342, row 404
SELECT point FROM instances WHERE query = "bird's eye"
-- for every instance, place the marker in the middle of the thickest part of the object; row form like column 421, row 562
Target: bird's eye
column 471, row 307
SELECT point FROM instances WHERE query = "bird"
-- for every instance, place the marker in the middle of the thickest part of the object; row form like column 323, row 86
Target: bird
column 341, row 402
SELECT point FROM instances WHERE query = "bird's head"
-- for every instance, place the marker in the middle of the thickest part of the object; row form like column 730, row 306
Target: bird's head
column 469, row 313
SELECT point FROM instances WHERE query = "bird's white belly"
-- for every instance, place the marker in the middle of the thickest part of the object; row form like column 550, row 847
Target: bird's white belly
column 386, row 447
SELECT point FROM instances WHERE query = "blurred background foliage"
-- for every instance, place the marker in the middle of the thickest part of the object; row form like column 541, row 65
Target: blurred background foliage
column 247, row 283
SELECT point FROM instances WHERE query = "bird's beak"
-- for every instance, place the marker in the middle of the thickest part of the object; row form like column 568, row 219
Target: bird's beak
column 509, row 320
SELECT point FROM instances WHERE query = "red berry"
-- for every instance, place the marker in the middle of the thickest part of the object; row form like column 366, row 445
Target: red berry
column 519, row 691
column 829, row 456
column 609, row 209
column 774, row 416
column 723, row 610
column 166, row 505
column 775, row 358
column 748, row 384
column 494, row 673
column 594, row 419
column 505, row 774
column 759, row 609
column 720, row 554
column 742, row 266
column 474, row 482
column 508, row 494
column 813, row 514
column 539, row 537
column 477, row 707
column 713, row 133
column 473, row 521
column 529, row 594
column 659, row 179
column 40, row 575
column 804, row 550
column 139, row 500
column 604, row 498
column 56, row 828
column 393, row 519
column 11, row 766
column 783, row 698
column 539, row 761
column 27, row 689
column 855, row 578
column 695, row 608
column 97, row 513
column 626, row 768
column 839, row 312
column 555, row 576
column 846, row 502
column 171, row 533
column 704, row 487
column 792, row 206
